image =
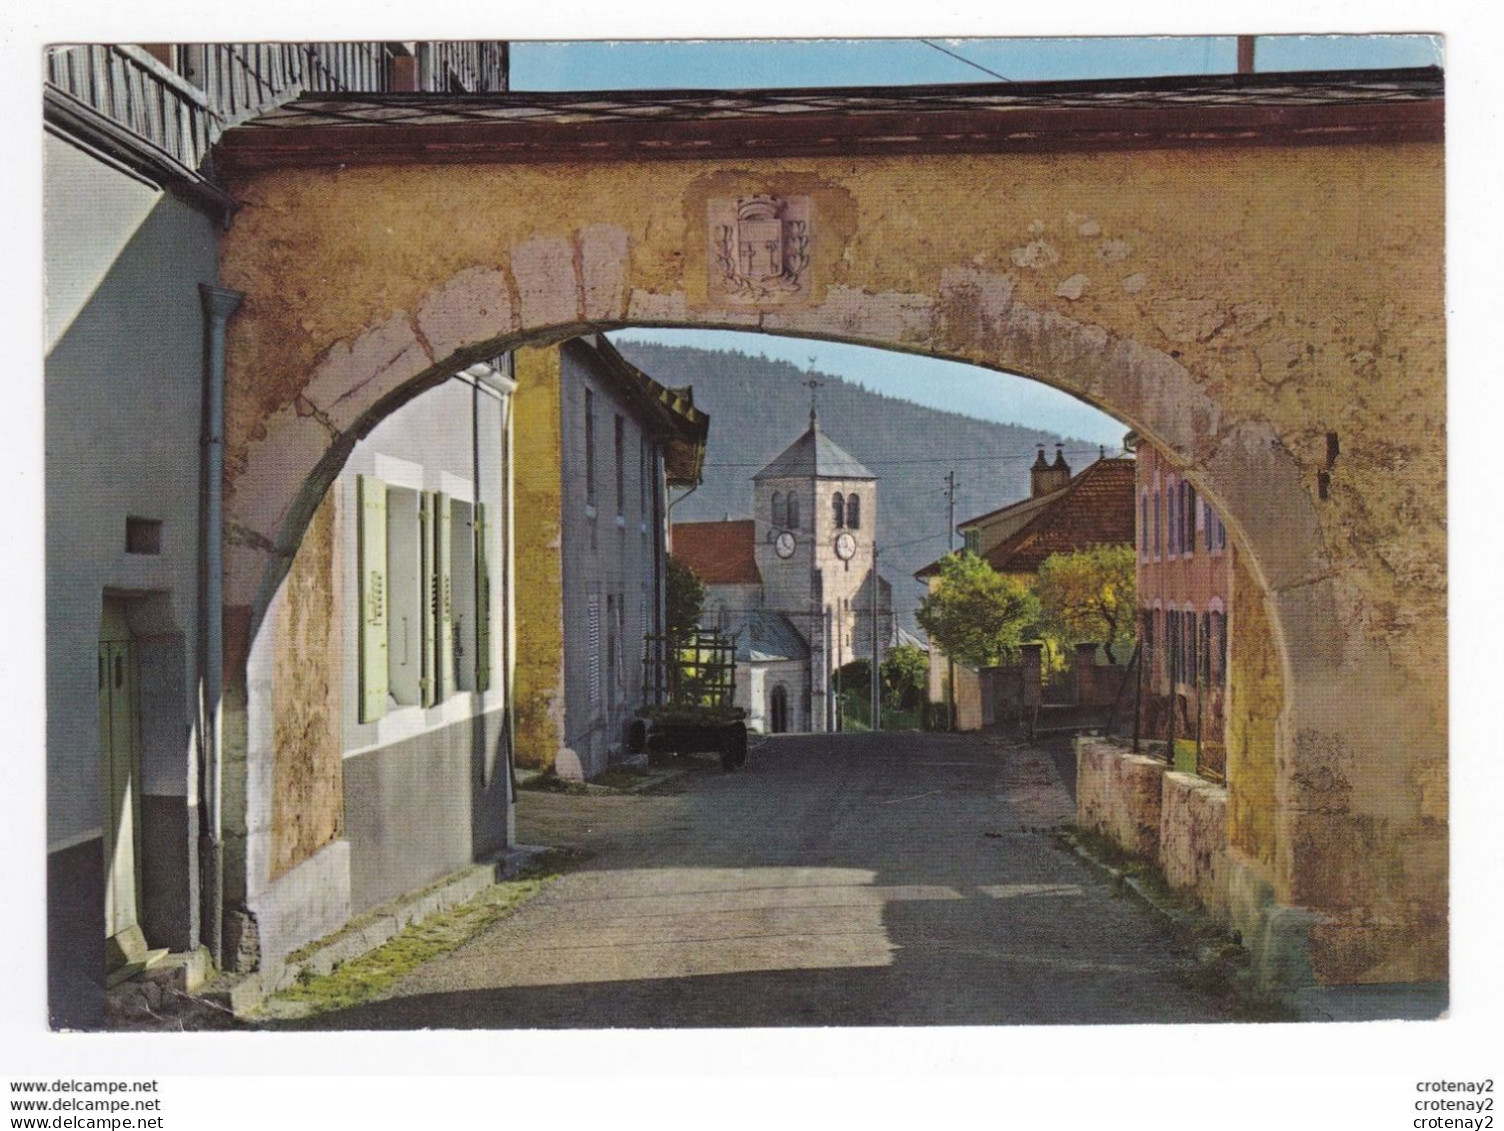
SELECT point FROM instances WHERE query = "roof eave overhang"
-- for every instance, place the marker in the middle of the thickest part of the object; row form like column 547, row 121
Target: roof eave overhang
column 1130, row 114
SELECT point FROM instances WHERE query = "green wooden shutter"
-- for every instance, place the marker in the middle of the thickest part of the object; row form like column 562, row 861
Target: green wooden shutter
column 482, row 603
column 371, row 500
column 427, row 572
column 443, row 557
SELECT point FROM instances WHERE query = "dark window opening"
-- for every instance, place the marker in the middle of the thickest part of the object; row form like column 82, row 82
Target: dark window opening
column 1189, row 541
column 589, row 447
column 621, row 465
column 143, row 535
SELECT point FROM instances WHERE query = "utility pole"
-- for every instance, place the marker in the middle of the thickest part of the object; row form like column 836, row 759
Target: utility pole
column 877, row 695
column 838, row 616
column 1245, row 54
column 950, row 544
column 950, row 495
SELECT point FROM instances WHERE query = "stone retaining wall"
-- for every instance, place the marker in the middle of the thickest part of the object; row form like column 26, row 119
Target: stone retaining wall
column 1193, row 839
column 1118, row 795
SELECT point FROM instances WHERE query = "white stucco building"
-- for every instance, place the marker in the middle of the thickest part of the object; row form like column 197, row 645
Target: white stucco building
column 138, row 827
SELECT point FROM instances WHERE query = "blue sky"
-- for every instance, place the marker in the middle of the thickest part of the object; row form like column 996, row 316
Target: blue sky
column 722, row 64
column 646, row 64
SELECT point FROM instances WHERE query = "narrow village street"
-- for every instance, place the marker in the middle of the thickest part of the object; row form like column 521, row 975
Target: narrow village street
column 838, row 880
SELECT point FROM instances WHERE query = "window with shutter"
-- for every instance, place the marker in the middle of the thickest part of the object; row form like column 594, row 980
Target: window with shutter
column 404, row 558
column 642, row 635
column 613, row 610
column 373, row 647
column 1188, row 626
column 1188, row 508
column 643, row 475
column 593, row 643
column 620, row 436
column 443, row 588
column 854, row 512
column 483, row 603
column 589, row 447
column 1172, row 519
column 1204, row 672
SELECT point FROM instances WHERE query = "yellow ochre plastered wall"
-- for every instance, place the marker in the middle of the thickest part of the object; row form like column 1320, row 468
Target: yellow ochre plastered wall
column 308, row 804
column 1236, row 305
column 1255, row 697
column 539, row 567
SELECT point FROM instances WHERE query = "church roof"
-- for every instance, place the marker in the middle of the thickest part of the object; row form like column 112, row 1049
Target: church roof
column 814, row 455
column 762, row 635
column 720, row 553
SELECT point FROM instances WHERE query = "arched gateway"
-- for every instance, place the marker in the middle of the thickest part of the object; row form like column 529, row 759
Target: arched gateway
column 1247, row 271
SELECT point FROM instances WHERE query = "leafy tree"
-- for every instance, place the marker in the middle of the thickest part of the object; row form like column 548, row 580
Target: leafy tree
column 1090, row 595
column 978, row 616
column 685, row 598
column 905, row 673
column 855, row 675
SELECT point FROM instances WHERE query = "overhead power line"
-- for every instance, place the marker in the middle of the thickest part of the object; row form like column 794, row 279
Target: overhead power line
column 964, row 59
column 1092, row 451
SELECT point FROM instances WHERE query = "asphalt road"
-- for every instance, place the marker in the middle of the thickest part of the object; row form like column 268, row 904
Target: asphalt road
column 837, row 880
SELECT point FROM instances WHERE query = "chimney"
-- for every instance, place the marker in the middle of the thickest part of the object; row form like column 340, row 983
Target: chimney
column 1039, row 475
column 1047, row 477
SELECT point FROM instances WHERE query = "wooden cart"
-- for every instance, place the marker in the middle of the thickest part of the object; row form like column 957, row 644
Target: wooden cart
column 690, row 684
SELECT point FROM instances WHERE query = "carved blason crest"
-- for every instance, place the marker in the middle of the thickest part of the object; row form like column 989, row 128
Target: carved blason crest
column 759, row 248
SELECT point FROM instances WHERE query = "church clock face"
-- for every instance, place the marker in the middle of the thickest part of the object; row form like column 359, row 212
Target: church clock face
column 845, row 546
column 784, row 546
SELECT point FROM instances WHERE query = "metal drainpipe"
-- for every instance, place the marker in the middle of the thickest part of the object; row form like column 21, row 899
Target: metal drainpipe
column 509, row 578
column 877, row 700
column 219, row 303
column 504, row 384
column 660, row 570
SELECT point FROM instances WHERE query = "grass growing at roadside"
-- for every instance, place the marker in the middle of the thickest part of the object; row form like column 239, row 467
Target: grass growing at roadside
column 1222, row 966
column 370, row 975
column 611, row 781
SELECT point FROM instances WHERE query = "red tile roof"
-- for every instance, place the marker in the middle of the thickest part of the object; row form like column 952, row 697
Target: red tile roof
column 720, row 552
column 1094, row 509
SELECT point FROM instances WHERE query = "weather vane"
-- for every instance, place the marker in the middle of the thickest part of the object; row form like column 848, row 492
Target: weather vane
column 813, row 384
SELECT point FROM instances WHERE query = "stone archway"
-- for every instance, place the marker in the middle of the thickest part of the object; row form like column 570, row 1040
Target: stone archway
column 1225, row 302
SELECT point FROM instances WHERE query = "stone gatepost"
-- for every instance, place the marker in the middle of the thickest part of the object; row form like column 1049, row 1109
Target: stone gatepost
column 1031, row 656
column 1086, row 673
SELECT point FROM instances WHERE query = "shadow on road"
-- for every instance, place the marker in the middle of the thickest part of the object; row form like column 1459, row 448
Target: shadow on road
column 844, row 880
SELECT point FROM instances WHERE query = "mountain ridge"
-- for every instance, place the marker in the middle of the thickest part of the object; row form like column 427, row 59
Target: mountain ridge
column 758, row 406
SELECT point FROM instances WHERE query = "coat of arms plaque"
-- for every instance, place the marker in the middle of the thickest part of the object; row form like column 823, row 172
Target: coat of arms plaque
column 759, row 249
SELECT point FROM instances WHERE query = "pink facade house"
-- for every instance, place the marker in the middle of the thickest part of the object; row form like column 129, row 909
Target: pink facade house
column 1185, row 577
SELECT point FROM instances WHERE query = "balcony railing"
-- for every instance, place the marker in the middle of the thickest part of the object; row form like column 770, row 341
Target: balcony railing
column 180, row 111
column 470, row 66
column 137, row 94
